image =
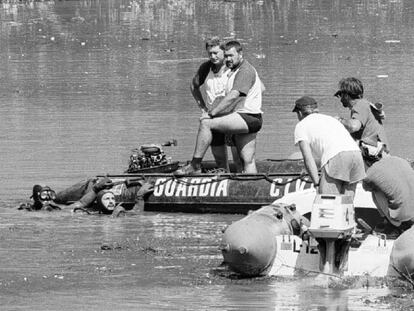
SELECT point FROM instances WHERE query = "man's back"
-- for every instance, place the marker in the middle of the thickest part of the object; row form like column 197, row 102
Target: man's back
column 326, row 136
column 371, row 127
column 395, row 178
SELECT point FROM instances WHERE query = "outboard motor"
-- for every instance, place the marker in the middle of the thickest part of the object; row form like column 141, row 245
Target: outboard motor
column 145, row 157
column 332, row 225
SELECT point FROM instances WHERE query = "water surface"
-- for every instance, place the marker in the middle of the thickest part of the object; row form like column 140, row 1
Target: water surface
column 84, row 82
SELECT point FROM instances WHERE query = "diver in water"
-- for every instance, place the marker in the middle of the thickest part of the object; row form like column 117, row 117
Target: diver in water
column 43, row 197
column 96, row 198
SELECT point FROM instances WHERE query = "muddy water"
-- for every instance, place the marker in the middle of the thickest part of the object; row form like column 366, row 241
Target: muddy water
column 84, row 82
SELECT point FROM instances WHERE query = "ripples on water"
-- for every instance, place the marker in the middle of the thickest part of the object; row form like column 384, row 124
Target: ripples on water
column 84, row 82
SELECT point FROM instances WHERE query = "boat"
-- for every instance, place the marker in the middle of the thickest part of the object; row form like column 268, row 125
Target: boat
column 150, row 181
column 265, row 243
column 212, row 191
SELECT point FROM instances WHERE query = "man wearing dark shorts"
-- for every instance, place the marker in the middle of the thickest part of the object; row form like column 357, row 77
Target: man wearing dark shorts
column 238, row 113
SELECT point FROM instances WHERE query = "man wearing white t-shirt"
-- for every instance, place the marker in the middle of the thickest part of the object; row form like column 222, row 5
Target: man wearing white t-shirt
column 326, row 145
column 209, row 85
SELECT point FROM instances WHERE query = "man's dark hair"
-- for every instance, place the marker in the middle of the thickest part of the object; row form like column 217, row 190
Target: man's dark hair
column 214, row 41
column 351, row 86
column 233, row 44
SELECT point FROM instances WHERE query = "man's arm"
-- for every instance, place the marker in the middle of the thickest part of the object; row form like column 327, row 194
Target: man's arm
column 226, row 104
column 352, row 125
column 309, row 161
column 262, row 86
column 196, row 92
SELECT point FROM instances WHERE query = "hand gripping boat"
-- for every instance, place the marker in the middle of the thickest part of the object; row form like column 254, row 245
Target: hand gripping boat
column 278, row 240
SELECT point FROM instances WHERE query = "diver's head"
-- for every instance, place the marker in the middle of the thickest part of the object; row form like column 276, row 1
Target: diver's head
column 42, row 195
column 106, row 201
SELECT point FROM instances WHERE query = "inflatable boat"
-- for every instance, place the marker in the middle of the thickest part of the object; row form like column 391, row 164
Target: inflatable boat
column 211, row 191
column 280, row 240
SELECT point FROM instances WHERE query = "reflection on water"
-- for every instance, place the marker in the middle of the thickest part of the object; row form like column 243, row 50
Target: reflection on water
column 84, row 82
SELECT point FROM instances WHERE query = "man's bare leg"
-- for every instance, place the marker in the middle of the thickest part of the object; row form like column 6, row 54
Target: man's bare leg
column 349, row 189
column 232, row 123
column 236, row 159
column 221, row 156
column 246, row 144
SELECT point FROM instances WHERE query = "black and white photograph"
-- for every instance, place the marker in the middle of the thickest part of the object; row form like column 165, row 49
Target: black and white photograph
column 207, row 155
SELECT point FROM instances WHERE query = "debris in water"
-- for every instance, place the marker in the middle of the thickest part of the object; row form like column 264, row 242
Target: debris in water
column 167, row 267
column 259, row 55
column 149, row 249
column 382, row 76
column 106, row 247
column 392, row 41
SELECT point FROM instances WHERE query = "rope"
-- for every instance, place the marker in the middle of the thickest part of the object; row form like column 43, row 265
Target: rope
column 236, row 177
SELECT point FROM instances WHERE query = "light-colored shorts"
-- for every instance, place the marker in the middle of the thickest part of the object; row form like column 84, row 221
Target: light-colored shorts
column 347, row 166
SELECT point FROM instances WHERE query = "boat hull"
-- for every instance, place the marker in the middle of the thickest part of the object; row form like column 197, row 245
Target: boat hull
column 216, row 193
column 295, row 257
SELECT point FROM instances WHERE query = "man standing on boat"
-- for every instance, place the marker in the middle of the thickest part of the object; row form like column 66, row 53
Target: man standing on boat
column 366, row 122
column 238, row 113
column 208, row 86
column 327, row 145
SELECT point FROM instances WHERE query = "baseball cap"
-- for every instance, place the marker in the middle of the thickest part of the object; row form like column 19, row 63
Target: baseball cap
column 303, row 102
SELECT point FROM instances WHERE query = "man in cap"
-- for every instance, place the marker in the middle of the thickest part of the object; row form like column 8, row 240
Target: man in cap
column 326, row 145
column 366, row 121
